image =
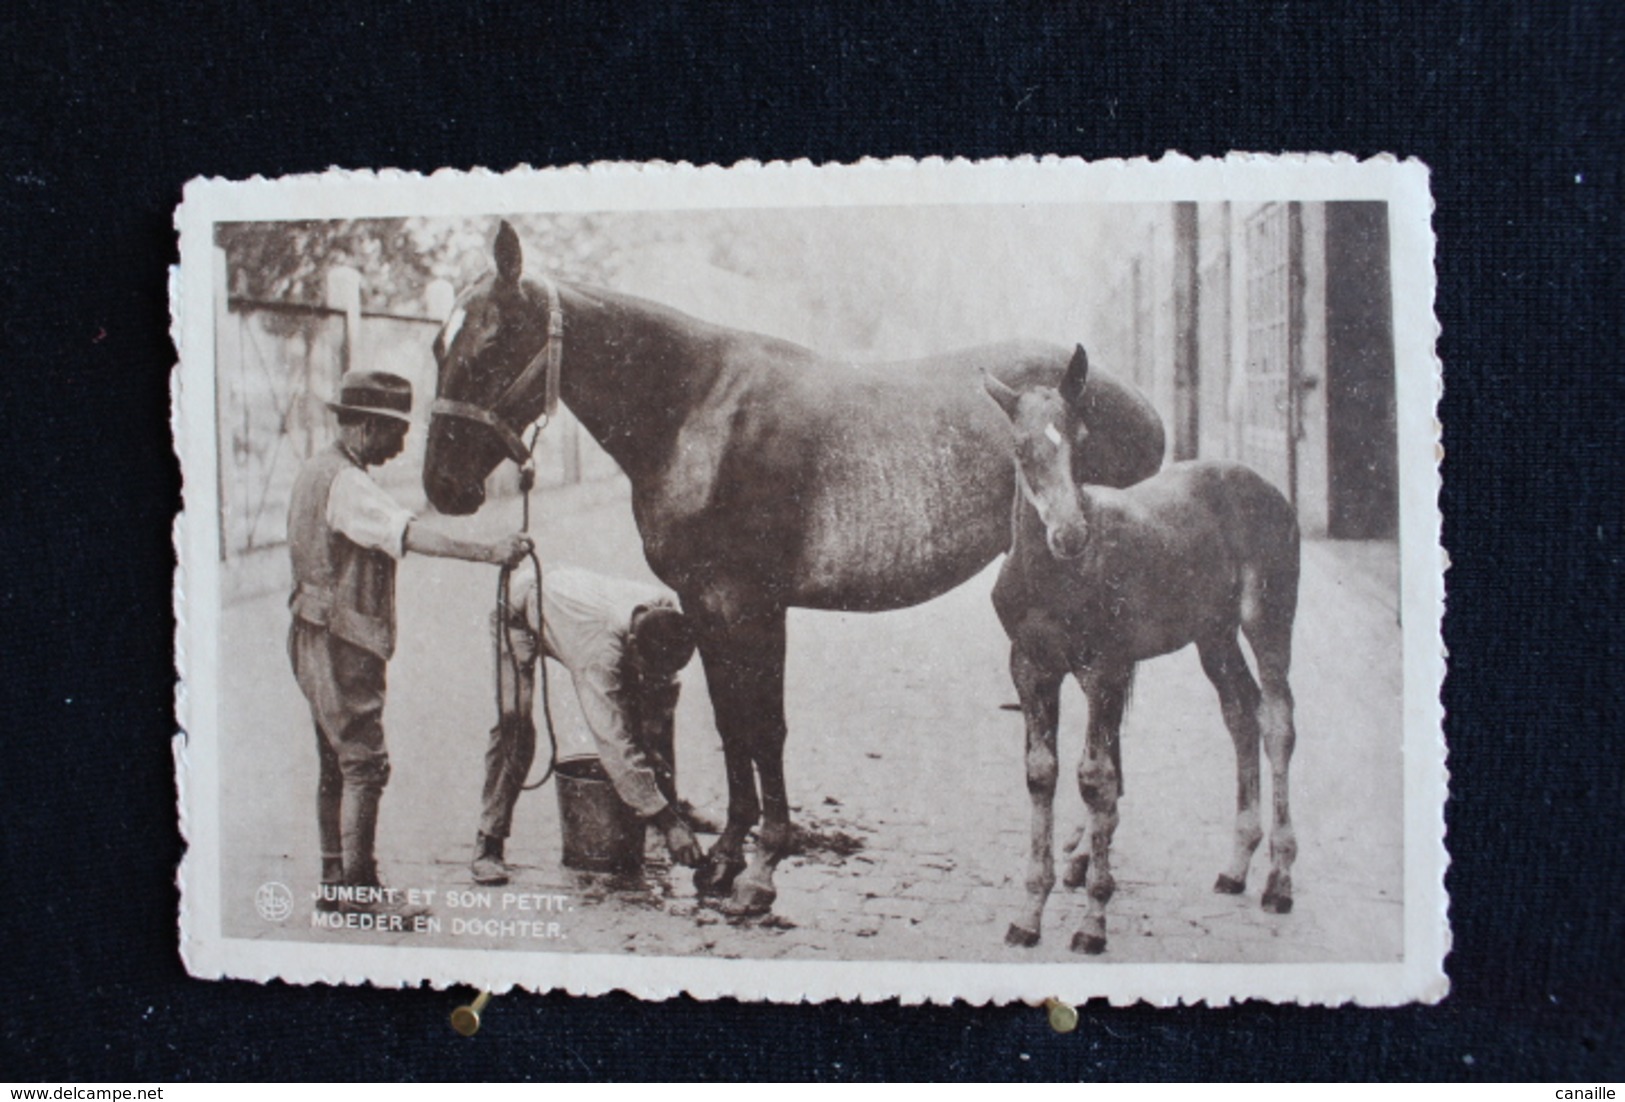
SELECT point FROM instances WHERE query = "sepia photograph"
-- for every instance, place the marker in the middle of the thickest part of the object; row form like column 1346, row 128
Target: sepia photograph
column 921, row 580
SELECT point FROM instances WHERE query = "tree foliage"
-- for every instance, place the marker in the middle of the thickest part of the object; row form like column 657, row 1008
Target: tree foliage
column 399, row 257
column 289, row 261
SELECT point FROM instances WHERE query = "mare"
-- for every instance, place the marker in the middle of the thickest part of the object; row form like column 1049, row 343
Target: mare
column 763, row 476
column 1099, row 579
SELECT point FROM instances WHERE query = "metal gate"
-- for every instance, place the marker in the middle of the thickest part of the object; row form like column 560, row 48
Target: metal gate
column 1271, row 422
column 274, row 360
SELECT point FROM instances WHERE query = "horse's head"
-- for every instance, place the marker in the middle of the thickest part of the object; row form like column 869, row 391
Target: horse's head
column 497, row 328
column 1048, row 429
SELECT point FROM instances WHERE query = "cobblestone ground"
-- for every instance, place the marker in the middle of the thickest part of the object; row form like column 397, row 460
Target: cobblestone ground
column 906, row 775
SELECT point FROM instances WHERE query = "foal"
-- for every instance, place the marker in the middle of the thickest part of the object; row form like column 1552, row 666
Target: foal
column 1097, row 580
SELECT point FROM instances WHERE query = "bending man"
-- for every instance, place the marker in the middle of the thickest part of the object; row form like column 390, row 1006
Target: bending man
column 624, row 644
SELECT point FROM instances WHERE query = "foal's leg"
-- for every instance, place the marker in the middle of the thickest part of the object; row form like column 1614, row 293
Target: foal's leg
column 1273, row 651
column 1040, row 693
column 1224, row 665
column 1077, row 865
column 1098, row 781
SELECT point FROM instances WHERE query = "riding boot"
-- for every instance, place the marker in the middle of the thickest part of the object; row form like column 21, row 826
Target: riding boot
column 329, row 799
column 359, row 832
column 489, row 867
column 327, row 899
column 387, row 908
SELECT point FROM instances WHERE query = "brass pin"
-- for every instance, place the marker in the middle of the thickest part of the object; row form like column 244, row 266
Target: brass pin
column 466, row 1019
column 1063, row 1017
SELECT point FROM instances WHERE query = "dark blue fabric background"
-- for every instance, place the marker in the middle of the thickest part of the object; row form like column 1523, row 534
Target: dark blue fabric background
column 1517, row 108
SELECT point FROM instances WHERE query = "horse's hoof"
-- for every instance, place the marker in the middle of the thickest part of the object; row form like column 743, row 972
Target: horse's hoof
column 1020, row 936
column 1276, row 899
column 1277, row 904
column 1229, row 885
column 716, row 877
column 1077, row 871
column 1092, row 944
column 749, row 898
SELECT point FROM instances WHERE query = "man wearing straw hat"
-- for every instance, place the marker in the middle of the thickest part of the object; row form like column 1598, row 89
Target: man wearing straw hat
column 345, row 535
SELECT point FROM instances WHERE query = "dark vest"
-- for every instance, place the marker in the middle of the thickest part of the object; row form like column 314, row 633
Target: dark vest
column 337, row 584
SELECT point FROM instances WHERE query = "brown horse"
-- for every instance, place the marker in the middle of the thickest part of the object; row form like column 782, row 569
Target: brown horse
column 1099, row 579
column 763, row 477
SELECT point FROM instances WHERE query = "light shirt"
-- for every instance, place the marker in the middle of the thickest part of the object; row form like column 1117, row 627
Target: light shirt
column 359, row 508
column 585, row 628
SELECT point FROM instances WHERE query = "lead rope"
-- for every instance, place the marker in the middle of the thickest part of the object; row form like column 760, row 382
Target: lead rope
column 551, row 359
column 507, row 659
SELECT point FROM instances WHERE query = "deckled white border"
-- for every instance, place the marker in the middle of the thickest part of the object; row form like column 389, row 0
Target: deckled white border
column 900, row 181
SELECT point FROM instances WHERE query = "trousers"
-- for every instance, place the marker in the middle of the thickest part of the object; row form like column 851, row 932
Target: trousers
column 345, row 688
column 512, row 750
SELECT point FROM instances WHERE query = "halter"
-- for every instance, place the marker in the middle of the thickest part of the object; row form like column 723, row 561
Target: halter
column 545, row 365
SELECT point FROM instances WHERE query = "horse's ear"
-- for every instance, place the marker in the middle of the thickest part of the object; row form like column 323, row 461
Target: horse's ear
column 1077, row 376
column 1005, row 396
column 509, row 256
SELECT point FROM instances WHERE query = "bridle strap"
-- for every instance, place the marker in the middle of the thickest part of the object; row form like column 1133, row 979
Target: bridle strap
column 548, row 360
column 552, row 349
column 511, row 443
column 546, row 364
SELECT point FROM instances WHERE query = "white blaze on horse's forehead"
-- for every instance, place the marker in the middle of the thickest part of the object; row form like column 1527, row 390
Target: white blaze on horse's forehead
column 1052, row 434
column 454, row 323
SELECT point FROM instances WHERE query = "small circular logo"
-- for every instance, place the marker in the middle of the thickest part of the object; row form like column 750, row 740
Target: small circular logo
column 273, row 901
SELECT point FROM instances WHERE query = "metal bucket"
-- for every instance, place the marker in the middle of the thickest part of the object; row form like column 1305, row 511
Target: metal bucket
column 600, row 833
